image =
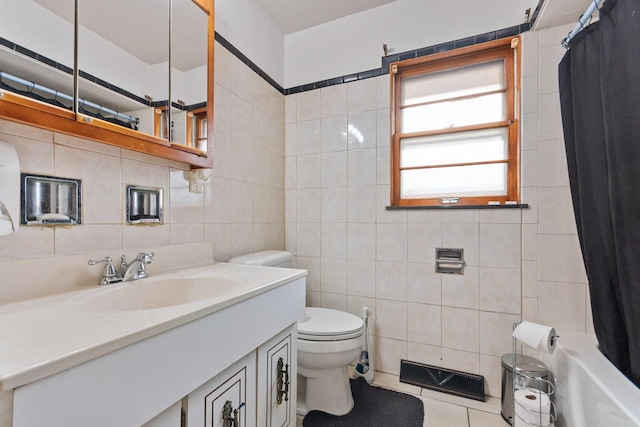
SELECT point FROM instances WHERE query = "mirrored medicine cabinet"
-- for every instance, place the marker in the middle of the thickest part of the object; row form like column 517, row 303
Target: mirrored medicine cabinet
column 137, row 74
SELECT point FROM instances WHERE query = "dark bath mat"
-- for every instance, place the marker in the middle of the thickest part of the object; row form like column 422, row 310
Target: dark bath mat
column 373, row 407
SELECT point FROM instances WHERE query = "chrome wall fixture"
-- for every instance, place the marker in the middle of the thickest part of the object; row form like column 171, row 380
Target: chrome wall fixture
column 450, row 261
column 144, row 205
column 49, row 200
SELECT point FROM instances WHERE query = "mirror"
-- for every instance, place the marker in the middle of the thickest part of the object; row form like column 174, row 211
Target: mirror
column 188, row 74
column 36, row 67
column 124, row 54
column 123, row 57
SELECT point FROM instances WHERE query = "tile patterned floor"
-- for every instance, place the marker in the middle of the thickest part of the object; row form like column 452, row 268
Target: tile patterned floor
column 443, row 410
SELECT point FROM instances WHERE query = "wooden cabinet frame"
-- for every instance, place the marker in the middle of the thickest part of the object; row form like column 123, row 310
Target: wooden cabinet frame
column 24, row 110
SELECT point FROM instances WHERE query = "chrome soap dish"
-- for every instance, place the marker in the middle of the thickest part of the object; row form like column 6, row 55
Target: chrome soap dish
column 144, row 205
column 48, row 200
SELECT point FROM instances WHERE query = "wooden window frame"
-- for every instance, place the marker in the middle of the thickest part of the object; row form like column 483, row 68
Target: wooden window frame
column 199, row 114
column 506, row 49
column 161, row 127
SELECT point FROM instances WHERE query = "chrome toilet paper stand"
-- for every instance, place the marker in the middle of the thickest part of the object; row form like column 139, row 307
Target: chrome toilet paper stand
column 537, row 385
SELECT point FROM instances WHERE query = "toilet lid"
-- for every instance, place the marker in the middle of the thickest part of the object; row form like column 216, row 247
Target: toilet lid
column 325, row 324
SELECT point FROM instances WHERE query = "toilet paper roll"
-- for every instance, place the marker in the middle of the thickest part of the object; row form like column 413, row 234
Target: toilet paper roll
column 539, row 337
column 532, row 408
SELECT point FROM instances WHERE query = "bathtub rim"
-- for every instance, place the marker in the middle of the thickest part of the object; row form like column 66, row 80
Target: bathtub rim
column 582, row 349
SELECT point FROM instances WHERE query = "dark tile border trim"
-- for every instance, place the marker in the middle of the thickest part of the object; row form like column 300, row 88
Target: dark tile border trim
column 33, row 55
column 113, row 88
column 242, row 57
column 386, row 60
column 384, row 69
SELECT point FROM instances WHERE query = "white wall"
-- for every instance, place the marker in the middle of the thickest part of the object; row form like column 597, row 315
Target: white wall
column 248, row 28
column 354, row 43
column 520, row 264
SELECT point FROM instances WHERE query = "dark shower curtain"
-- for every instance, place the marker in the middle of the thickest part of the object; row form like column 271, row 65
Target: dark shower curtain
column 600, row 102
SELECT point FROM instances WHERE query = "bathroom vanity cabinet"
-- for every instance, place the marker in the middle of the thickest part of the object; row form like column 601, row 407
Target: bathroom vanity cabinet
column 238, row 395
column 228, row 399
column 277, row 379
column 242, row 352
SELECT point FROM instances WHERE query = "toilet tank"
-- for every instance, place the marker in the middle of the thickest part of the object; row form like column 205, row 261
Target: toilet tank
column 266, row 258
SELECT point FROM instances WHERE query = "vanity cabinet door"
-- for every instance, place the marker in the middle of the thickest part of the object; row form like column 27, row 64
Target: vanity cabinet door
column 228, row 400
column 277, row 373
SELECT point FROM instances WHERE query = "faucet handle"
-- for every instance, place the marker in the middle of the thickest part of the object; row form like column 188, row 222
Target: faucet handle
column 109, row 274
column 106, row 259
column 146, row 258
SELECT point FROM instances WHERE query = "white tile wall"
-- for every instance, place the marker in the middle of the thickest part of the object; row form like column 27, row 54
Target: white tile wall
column 520, row 263
column 554, row 281
column 461, row 290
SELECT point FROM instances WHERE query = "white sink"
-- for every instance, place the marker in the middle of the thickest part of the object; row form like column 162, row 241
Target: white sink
column 153, row 294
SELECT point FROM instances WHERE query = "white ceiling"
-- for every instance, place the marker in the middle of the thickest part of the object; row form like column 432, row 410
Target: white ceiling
column 559, row 12
column 296, row 15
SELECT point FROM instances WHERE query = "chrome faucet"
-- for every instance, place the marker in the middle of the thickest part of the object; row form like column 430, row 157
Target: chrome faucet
column 135, row 270
column 109, row 275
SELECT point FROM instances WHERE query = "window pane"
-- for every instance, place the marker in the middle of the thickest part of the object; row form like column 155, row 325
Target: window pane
column 202, row 138
column 462, row 81
column 203, row 128
column 463, row 147
column 457, row 181
column 449, row 114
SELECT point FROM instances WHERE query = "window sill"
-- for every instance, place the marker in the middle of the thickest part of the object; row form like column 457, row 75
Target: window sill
column 412, row 208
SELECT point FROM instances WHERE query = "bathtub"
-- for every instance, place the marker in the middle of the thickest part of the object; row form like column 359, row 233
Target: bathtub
column 590, row 391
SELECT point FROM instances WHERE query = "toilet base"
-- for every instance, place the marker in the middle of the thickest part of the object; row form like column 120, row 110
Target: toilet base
column 327, row 390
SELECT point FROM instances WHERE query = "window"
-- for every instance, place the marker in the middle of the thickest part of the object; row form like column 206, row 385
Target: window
column 455, row 127
column 197, row 129
column 196, row 126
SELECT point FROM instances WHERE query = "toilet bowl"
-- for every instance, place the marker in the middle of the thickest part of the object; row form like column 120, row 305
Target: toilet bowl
column 328, row 341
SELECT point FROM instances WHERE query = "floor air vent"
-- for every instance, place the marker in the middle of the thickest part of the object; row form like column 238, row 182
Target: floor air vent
column 445, row 380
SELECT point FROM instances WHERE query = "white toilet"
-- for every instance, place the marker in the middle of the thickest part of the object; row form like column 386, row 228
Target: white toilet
column 328, row 341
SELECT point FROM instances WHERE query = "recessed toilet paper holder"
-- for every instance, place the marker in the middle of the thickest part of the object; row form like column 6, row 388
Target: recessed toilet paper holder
column 450, row 261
